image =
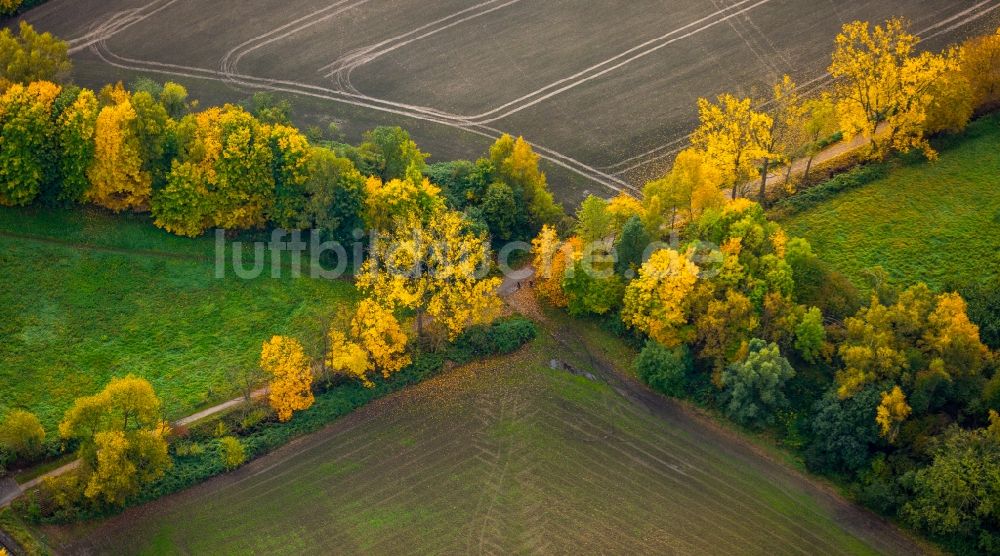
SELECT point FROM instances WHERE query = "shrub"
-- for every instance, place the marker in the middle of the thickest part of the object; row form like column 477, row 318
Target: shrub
column 231, row 452
column 22, row 435
column 502, row 337
column 665, row 369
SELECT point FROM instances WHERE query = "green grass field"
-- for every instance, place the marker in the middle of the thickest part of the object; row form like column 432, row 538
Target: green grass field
column 931, row 222
column 88, row 296
column 502, row 456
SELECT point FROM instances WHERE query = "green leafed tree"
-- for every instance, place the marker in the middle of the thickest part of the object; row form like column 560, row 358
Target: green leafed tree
column 753, row 388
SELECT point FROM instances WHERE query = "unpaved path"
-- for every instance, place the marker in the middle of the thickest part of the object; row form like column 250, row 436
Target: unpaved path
column 11, row 489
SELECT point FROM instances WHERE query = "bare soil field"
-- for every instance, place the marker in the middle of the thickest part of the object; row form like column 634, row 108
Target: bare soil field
column 604, row 90
column 506, row 456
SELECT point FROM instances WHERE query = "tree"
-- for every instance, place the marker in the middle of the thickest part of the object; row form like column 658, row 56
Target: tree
column 957, row 494
column 725, row 328
column 27, row 130
column 32, row 56
column 817, row 123
column 622, row 208
column 779, row 142
column 753, row 388
column 289, row 170
column 223, row 175
column 380, row 334
column 516, row 164
column 118, row 180
column 892, row 411
column 499, row 209
column 9, row 7
column 386, row 202
column 348, row 358
column 734, row 137
column 154, row 130
column 290, row 388
column 551, row 259
column 268, row 110
column 232, row 454
column 395, row 155
column 589, row 289
column 692, row 185
column 843, row 432
column 883, row 85
column 173, row 97
column 921, row 332
column 631, row 246
column 334, row 193
column 665, row 369
column 810, row 335
column 122, row 439
column 980, row 64
column 657, row 302
column 433, row 268
column 76, row 127
column 22, row 435
column 593, row 220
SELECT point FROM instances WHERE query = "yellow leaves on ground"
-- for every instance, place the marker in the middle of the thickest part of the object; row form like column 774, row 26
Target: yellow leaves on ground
column 290, row 388
column 891, row 412
column 656, row 302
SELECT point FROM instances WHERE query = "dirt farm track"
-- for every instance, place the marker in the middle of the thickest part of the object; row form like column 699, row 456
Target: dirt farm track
column 604, row 89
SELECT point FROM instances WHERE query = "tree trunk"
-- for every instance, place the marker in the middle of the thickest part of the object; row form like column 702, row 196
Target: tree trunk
column 809, row 163
column 420, row 324
column 763, row 181
column 788, row 176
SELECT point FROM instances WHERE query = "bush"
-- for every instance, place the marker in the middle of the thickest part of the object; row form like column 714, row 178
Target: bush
column 22, row 435
column 231, row 452
column 665, row 369
column 502, row 337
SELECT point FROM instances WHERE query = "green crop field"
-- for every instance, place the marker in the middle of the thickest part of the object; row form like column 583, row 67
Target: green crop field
column 502, row 456
column 934, row 222
column 88, row 296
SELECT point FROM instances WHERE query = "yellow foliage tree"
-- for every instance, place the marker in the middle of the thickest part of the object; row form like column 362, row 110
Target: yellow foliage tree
column 657, row 302
column 734, row 138
column 290, row 388
column 378, row 331
column 433, row 267
column 122, row 439
column 76, row 127
column 117, row 179
column 725, row 330
column 621, row 208
column 348, row 358
column 891, row 412
column 980, row 64
column 691, row 186
column 551, row 259
column 884, row 86
column 26, row 132
column 387, row 202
